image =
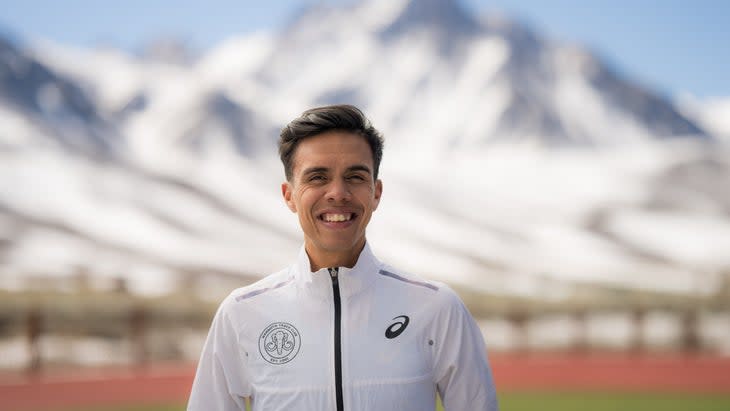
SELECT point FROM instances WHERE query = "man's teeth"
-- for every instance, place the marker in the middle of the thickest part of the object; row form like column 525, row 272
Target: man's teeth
column 336, row 217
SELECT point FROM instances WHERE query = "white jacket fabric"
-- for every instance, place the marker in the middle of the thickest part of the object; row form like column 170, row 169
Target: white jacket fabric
column 401, row 339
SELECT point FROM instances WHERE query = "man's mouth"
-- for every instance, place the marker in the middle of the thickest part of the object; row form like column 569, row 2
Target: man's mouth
column 336, row 217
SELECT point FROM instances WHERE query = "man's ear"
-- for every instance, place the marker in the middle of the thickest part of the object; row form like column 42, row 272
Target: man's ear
column 378, row 192
column 286, row 192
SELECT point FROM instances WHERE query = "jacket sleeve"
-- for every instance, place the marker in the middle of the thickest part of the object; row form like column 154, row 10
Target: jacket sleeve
column 462, row 373
column 220, row 381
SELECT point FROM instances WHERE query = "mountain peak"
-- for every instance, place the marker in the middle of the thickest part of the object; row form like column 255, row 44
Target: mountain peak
column 446, row 16
column 168, row 50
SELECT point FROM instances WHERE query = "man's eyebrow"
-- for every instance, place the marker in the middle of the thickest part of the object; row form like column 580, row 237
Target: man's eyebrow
column 360, row 167
column 314, row 170
column 356, row 167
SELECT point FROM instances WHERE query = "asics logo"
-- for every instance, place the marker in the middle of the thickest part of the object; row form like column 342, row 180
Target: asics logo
column 397, row 327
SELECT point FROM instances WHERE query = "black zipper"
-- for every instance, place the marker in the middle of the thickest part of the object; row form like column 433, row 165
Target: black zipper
column 338, row 337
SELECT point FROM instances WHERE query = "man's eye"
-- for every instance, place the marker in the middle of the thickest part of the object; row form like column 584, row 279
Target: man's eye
column 356, row 178
column 316, row 178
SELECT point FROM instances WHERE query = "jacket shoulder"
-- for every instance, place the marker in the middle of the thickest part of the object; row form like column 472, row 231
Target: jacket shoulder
column 271, row 282
column 440, row 295
column 405, row 279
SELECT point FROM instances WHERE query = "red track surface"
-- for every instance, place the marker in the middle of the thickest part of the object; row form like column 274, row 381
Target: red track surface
column 171, row 383
column 612, row 372
column 66, row 390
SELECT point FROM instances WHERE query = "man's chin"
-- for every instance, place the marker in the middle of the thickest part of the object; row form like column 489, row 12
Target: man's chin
column 344, row 246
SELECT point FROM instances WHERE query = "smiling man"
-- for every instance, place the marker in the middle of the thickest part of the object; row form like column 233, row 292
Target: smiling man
column 338, row 329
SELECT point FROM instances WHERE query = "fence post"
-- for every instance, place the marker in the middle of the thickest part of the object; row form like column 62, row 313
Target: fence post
column 638, row 323
column 690, row 339
column 581, row 340
column 34, row 328
column 518, row 320
column 138, row 325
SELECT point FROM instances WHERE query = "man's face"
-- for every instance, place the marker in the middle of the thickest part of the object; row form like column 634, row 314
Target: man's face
column 334, row 193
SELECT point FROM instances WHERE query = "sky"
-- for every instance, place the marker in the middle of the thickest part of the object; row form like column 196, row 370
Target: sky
column 676, row 47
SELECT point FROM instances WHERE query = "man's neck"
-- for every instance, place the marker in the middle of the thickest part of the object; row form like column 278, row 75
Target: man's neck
column 319, row 259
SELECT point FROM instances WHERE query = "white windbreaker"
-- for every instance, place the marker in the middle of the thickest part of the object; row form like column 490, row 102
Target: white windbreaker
column 363, row 339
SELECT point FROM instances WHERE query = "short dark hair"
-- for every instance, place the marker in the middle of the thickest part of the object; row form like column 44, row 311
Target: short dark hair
column 322, row 119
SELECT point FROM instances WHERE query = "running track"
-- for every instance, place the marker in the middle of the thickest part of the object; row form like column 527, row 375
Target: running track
column 166, row 383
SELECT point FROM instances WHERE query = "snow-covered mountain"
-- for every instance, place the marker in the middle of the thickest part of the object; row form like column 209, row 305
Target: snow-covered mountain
column 54, row 108
column 712, row 114
column 512, row 160
column 474, row 81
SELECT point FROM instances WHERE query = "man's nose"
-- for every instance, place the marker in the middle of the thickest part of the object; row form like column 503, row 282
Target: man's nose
column 339, row 191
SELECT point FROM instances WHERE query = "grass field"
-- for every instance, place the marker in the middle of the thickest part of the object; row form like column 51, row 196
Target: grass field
column 579, row 401
column 562, row 401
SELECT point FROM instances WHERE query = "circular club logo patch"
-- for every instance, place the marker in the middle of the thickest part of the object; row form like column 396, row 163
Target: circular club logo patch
column 279, row 343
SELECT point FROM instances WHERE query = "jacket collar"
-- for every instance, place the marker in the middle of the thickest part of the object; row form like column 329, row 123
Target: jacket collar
column 351, row 280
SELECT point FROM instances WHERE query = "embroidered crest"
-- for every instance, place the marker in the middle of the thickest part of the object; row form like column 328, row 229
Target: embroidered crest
column 279, row 343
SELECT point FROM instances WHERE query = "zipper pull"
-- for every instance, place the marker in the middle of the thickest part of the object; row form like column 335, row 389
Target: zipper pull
column 333, row 272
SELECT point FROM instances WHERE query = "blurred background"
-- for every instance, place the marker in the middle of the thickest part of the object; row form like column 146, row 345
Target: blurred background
column 564, row 166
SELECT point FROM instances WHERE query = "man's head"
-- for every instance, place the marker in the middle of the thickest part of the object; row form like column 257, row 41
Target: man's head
column 331, row 157
column 321, row 119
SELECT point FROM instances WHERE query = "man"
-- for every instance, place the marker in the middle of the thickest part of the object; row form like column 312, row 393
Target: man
column 338, row 329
